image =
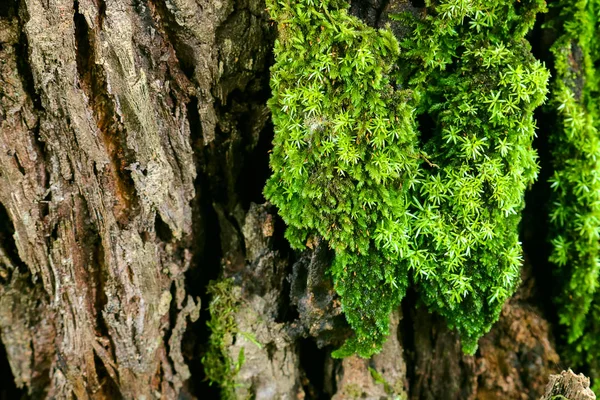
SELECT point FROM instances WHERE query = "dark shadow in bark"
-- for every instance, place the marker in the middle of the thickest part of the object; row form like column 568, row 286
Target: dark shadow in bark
column 287, row 312
column 100, row 277
column 25, row 74
column 312, row 363
column 427, row 127
column 101, row 13
column 8, row 8
column 418, row 3
column 206, row 263
column 85, row 52
column 19, row 165
column 8, row 389
column 535, row 227
column 109, row 388
column 238, row 160
column 7, row 242
column 256, row 172
column 24, row 69
column 96, row 274
column 370, row 11
column 406, row 333
column 163, row 232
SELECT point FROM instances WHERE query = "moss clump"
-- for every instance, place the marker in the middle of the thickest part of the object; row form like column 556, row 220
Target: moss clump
column 479, row 84
column 219, row 367
column 347, row 164
column 344, row 157
column 575, row 205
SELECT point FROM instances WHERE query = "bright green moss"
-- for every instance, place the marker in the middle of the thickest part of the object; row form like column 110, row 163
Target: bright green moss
column 480, row 84
column 219, row 367
column 575, row 213
column 347, row 163
column 344, row 155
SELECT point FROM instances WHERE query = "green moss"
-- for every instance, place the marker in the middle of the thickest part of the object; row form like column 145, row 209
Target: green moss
column 395, row 391
column 575, row 212
column 219, row 367
column 348, row 165
column 479, row 83
column 344, row 157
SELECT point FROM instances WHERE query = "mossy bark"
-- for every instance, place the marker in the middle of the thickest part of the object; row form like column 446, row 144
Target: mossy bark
column 134, row 141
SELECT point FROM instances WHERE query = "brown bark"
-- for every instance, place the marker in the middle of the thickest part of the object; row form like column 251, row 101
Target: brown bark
column 569, row 386
column 97, row 179
column 134, row 140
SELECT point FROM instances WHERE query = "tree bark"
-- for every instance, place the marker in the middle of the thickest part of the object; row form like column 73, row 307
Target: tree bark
column 102, row 104
column 134, row 140
column 567, row 385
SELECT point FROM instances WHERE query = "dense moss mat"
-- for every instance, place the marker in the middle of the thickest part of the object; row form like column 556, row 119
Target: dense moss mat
column 479, row 83
column 344, row 156
column 440, row 212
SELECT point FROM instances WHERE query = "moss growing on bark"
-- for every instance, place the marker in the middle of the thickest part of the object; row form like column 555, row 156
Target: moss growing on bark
column 479, row 84
column 575, row 206
column 219, row 367
column 348, row 166
column 436, row 206
column 344, row 157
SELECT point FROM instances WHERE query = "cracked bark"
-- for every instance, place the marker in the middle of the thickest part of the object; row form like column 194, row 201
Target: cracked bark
column 134, row 139
column 567, row 385
column 97, row 180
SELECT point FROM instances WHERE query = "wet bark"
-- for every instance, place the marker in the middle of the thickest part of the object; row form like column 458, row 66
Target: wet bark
column 134, row 140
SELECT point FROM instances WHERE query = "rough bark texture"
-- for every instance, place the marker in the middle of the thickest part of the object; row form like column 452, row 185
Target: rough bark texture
column 101, row 103
column 567, row 385
column 134, row 140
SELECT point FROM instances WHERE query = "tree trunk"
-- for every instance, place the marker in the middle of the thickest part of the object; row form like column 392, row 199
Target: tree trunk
column 134, row 141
